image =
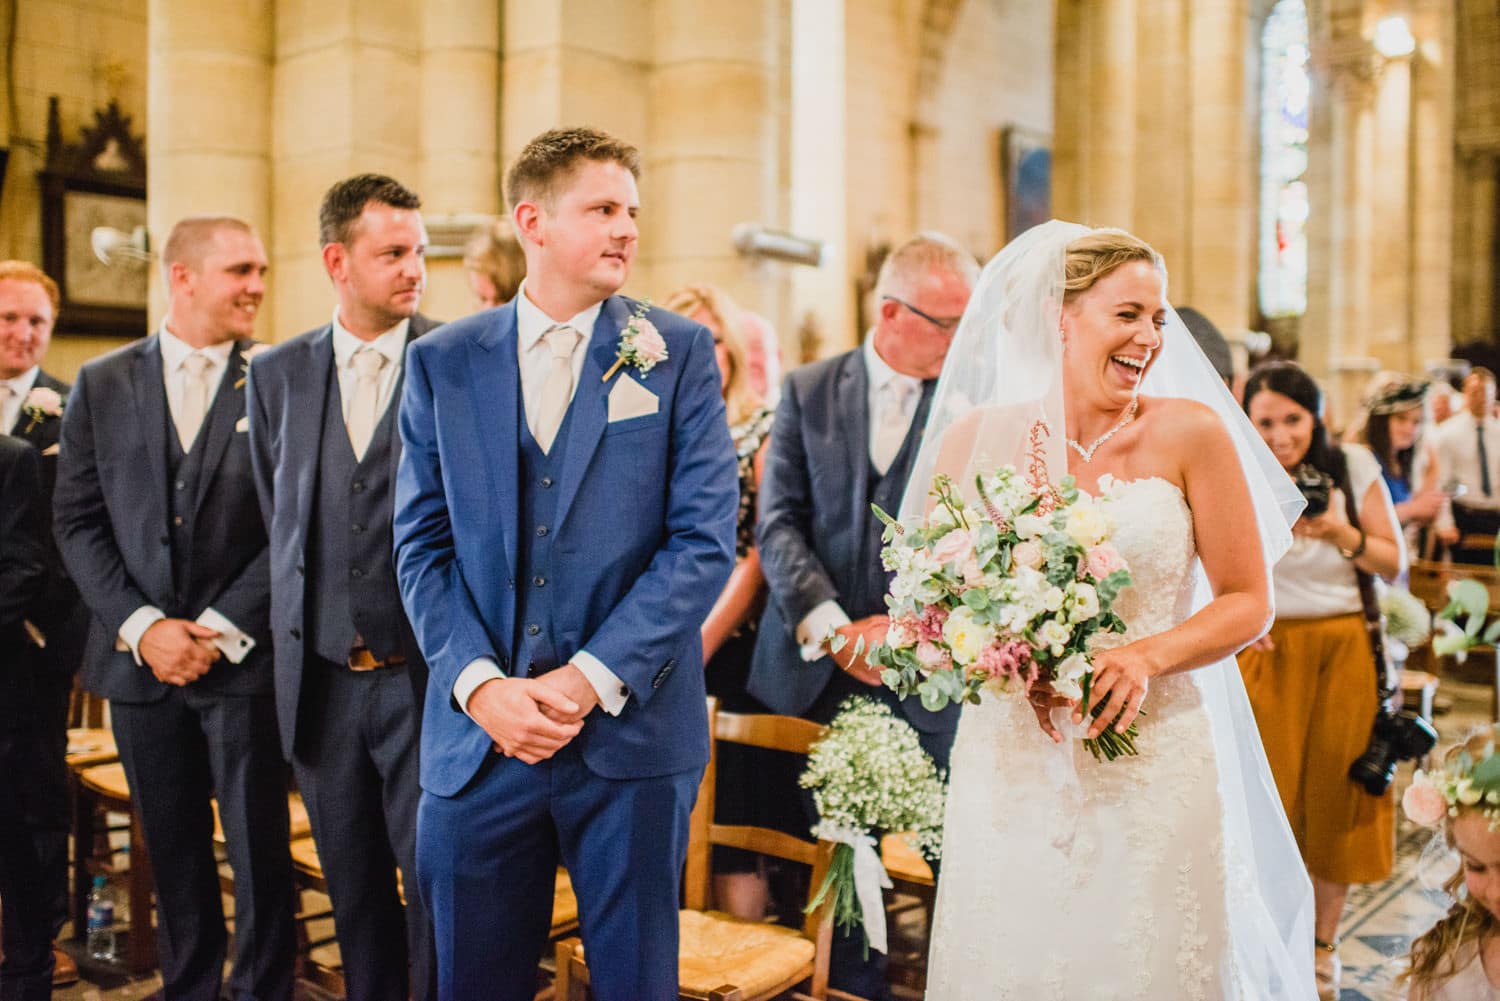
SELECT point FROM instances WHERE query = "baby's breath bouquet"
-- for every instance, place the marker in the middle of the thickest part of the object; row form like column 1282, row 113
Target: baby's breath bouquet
column 867, row 774
column 1004, row 592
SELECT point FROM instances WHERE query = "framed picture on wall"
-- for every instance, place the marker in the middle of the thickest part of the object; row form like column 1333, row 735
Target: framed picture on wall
column 97, row 182
column 1027, row 158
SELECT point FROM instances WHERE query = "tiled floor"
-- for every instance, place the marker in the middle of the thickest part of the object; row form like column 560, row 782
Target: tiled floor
column 1380, row 923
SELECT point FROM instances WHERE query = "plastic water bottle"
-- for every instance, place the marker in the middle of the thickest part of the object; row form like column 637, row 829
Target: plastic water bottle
column 101, row 929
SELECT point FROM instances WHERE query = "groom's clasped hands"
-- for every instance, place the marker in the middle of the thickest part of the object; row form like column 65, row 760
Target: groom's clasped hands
column 533, row 718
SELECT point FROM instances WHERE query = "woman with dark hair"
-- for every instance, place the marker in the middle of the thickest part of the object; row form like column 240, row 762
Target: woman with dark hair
column 1395, row 417
column 1312, row 680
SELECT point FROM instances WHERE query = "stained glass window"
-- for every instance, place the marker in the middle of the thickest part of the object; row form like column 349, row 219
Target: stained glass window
column 1285, row 89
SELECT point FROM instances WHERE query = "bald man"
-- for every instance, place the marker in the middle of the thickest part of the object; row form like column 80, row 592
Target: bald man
column 156, row 515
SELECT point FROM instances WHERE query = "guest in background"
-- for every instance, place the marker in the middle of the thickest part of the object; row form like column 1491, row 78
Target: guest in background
column 349, row 678
column 157, row 518
column 847, row 432
column 26, row 961
column 495, row 264
column 743, row 794
column 31, row 407
column 1468, row 446
column 1444, row 401
column 1394, row 431
column 762, row 356
column 1312, row 680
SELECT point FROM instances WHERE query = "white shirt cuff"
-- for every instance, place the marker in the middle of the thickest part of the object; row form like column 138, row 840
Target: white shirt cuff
column 232, row 642
column 611, row 690
column 471, row 677
column 812, row 632
column 133, row 628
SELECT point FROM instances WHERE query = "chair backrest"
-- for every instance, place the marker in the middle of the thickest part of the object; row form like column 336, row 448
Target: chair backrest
column 777, row 733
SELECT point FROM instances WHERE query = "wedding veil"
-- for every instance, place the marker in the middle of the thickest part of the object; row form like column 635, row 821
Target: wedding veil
column 1004, row 372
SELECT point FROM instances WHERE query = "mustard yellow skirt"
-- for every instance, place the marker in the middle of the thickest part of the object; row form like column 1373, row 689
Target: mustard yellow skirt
column 1314, row 701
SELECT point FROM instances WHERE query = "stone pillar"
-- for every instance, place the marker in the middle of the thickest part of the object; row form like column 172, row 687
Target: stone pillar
column 1162, row 183
column 1432, row 183
column 209, row 105
column 459, row 169
column 1113, row 51
column 347, row 99
column 712, row 155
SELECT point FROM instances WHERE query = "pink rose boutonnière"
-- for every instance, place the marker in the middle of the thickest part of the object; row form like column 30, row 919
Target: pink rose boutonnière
column 641, row 344
column 40, row 404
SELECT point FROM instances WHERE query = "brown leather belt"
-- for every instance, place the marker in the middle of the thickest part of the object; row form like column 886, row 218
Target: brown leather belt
column 361, row 659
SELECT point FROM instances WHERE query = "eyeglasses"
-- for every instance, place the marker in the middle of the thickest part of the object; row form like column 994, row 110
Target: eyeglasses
column 946, row 326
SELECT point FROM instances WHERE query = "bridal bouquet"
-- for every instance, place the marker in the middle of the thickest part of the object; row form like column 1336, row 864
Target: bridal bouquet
column 1005, row 594
column 869, row 773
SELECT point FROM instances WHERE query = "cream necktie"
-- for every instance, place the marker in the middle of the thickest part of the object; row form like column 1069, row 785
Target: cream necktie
column 364, row 401
column 557, row 390
column 5, row 394
column 890, row 429
column 194, row 398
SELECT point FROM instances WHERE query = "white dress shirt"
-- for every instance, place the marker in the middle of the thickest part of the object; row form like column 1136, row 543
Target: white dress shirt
column 1458, row 456
column 231, row 641
column 813, row 631
column 392, row 344
column 535, row 359
column 10, row 406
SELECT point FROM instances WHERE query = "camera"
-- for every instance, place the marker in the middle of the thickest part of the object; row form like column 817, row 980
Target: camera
column 1316, row 487
column 1397, row 736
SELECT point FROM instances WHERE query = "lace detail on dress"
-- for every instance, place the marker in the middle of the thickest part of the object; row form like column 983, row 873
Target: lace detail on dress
column 1119, row 892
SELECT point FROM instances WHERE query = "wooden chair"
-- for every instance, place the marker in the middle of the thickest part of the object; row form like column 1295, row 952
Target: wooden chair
column 913, row 889
column 724, row 958
column 1429, row 581
column 99, row 788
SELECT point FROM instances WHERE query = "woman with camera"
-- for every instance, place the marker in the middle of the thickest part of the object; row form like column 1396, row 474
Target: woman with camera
column 1312, row 680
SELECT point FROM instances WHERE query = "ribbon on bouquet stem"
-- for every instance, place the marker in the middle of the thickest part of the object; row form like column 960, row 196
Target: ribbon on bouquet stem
column 870, row 878
column 1062, row 773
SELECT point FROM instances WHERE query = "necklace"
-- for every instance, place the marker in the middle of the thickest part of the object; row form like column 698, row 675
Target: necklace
column 1088, row 453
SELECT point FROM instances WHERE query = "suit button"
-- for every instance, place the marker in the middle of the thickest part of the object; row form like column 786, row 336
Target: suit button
column 357, row 528
column 357, row 486
column 539, row 581
column 541, row 531
column 181, row 485
column 533, row 629
column 546, row 481
column 296, row 633
column 177, row 520
column 356, row 573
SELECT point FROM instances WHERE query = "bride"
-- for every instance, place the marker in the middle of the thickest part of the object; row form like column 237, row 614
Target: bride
column 1172, row 874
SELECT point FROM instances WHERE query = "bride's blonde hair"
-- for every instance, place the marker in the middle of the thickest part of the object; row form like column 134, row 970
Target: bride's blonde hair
column 1097, row 253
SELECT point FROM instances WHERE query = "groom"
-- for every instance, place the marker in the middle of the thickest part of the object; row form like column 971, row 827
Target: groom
column 562, row 526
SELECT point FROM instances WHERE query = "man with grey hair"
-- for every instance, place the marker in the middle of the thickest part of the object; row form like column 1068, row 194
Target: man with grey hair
column 156, row 515
column 847, row 432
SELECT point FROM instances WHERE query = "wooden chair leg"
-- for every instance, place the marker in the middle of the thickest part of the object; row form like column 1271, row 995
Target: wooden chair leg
column 84, row 805
column 142, row 951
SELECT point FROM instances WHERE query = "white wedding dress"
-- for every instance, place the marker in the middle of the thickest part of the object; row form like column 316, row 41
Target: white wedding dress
column 1118, row 885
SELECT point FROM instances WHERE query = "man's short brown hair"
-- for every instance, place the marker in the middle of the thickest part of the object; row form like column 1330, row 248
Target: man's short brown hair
column 550, row 159
column 346, row 200
column 25, row 271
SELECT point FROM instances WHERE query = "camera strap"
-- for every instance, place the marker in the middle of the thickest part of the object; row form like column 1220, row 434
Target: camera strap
column 1385, row 675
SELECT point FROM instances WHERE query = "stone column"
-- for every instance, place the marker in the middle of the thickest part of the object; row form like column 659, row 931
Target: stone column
column 1111, row 163
column 209, row 105
column 712, row 155
column 459, row 169
column 1432, row 184
column 347, row 100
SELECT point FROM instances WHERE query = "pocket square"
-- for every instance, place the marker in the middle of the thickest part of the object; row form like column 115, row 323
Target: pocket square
column 630, row 399
column 243, row 424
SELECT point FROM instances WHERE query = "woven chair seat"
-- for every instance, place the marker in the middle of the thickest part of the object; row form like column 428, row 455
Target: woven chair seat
column 107, row 780
column 89, row 747
column 300, row 826
column 904, row 862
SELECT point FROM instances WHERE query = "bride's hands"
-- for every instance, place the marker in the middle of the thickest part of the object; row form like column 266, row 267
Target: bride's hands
column 1042, row 699
column 1121, row 677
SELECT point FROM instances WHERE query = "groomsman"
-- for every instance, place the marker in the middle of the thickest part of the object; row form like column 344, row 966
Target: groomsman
column 50, row 644
column 565, row 516
column 349, row 676
column 157, row 518
column 25, row 922
column 847, row 431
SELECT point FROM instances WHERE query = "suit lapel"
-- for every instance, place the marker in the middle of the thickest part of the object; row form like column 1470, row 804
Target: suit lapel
column 218, row 429
column 590, row 407
column 854, row 391
column 308, row 381
column 150, row 391
column 496, row 384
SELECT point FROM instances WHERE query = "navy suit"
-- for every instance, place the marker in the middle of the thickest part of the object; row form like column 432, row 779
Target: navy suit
column 141, row 523
column 26, row 970
column 629, row 539
column 351, row 736
column 63, row 619
column 820, row 541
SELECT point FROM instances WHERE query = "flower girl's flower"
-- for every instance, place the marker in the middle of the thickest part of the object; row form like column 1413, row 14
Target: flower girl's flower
column 1423, row 803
